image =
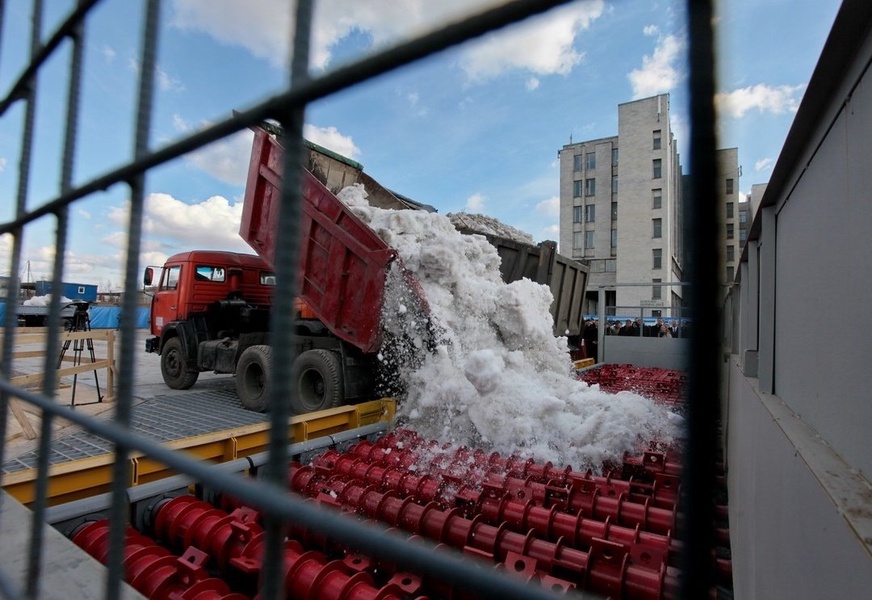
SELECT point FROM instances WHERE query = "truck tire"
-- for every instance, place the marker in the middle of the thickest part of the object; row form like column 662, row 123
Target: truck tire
column 252, row 377
column 317, row 382
column 174, row 367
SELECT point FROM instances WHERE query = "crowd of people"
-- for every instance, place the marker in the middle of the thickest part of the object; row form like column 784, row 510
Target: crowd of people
column 661, row 328
column 588, row 343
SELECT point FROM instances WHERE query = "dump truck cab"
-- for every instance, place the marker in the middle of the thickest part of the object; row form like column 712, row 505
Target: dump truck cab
column 208, row 307
column 210, row 311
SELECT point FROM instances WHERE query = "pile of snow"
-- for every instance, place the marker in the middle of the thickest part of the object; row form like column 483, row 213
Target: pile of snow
column 492, row 375
column 44, row 301
column 488, row 226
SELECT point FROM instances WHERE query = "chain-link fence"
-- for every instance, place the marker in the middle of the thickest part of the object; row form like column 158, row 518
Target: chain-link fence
column 64, row 45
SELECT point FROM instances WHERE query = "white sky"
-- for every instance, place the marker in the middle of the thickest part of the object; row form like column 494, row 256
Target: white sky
column 476, row 128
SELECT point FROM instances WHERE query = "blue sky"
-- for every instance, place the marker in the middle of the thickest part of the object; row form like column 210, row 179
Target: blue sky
column 476, row 128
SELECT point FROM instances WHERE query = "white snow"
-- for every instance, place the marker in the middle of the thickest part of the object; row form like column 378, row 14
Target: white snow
column 44, row 301
column 497, row 377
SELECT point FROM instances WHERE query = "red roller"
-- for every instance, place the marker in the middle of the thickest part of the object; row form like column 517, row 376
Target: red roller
column 611, row 572
column 310, row 575
column 186, row 521
column 152, row 570
column 599, row 498
column 496, row 505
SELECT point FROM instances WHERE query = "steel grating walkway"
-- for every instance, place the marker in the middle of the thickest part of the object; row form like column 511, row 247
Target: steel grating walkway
column 164, row 418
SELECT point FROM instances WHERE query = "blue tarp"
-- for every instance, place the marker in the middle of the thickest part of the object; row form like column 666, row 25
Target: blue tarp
column 109, row 317
column 102, row 317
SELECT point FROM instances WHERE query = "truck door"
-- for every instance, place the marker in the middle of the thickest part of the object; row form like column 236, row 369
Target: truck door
column 165, row 302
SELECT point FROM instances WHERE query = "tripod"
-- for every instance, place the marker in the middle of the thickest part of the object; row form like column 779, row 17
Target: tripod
column 81, row 321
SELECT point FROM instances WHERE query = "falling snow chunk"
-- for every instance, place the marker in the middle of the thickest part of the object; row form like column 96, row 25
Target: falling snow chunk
column 496, row 377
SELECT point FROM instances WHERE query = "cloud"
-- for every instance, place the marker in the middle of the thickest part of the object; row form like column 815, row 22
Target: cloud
column 551, row 232
column 108, row 53
column 83, row 213
column 764, row 164
column 164, row 80
column 167, row 82
column 542, row 45
column 549, row 207
column 5, row 253
column 2, row 164
column 474, row 203
column 658, row 73
column 226, row 160
column 777, row 100
column 330, row 138
column 532, row 84
column 260, row 26
column 170, row 225
column 651, row 30
column 414, row 101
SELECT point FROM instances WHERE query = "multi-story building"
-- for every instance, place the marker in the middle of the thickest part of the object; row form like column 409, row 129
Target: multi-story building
column 730, row 200
column 621, row 211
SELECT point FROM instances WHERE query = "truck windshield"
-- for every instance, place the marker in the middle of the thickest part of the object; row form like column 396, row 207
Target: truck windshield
column 171, row 278
column 209, row 273
column 267, row 278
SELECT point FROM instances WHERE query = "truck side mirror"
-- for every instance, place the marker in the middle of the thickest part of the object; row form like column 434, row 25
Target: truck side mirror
column 148, row 276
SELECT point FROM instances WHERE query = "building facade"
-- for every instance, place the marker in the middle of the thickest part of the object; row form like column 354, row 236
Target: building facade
column 731, row 200
column 622, row 211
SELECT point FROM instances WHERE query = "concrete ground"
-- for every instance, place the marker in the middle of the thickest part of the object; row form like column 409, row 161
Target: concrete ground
column 79, row 392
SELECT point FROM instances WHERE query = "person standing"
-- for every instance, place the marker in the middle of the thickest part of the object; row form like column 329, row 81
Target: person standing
column 590, row 335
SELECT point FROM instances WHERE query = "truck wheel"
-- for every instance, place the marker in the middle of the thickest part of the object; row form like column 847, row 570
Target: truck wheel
column 252, row 377
column 174, row 368
column 318, row 382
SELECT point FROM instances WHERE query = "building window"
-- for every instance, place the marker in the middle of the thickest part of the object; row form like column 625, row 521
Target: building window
column 590, row 213
column 743, row 216
column 731, row 253
column 656, row 290
column 614, row 211
column 590, row 160
column 657, row 228
column 577, row 188
column 590, row 187
column 578, row 214
column 743, row 235
column 588, row 240
column 658, row 168
column 614, row 238
column 729, row 185
column 614, row 185
column 576, row 162
column 731, row 274
column 729, row 210
column 729, row 231
column 657, row 255
column 614, row 157
column 657, row 140
column 578, row 242
column 657, row 198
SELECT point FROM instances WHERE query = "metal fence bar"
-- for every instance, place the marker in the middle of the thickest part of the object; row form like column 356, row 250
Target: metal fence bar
column 126, row 372
column 286, row 265
column 76, row 33
column 703, row 407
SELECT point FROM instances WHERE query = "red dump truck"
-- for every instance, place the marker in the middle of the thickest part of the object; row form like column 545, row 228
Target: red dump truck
column 210, row 310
